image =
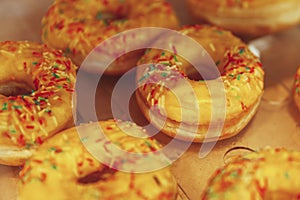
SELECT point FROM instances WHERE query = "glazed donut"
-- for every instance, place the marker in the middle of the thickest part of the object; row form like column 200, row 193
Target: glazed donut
column 265, row 174
column 241, row 74
column 36, row 97
column 297, row 89
column 250, row 18
column 63, row 168
column 78, row 26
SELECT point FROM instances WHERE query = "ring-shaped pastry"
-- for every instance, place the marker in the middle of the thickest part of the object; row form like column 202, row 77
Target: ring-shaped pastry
column 241, row 73
column 36, row 86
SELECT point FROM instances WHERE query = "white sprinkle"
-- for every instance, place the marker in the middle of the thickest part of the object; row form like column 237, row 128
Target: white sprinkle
column 148, row 96
column 54, row 120
column 212, row 47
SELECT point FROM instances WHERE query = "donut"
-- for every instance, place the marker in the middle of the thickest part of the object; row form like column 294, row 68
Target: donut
column 36, row 92
column 63, row 168
column 77, row 27
column 241, row 74
column 270, row 173
column 297, row 89
column 251, row 18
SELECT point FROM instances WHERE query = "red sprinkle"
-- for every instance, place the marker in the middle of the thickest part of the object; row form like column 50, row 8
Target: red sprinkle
column 261, row 190
column 244, row 107
column 37, row 54
column 58, row 150
column 6, row 134
column 25, row 65
column 60, row 25
column 58, row 53
column 37, row 161
column 41, row 121
column 43, row 177
column 39, row 140
column 29, row 126
column 80, row 164
column 21, row 140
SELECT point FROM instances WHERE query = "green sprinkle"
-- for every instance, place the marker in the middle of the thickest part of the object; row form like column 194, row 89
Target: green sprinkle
column 47, row 110
column 152, row 67
column 242, row 51
column 219, row 32
column 13, row 131
column 36, row 102
column 218, row 62
column 24, row 95
column 4, row 106
column 297, row 90
column 54, row 167
column 99, row 15
column 175, row 58
column 52, row 149
column 35, row 63
column 167, row 64
column 231, row 75
column 148, row 144
column 144, row 77
column 287, row 175
column 17, row 107
column 164, row 74
column 238, row 77
column 42, row 99
column 234, row 174
column 59, row 86
column 163, row 53
column 105, row 22
column 55, row 66
column 55, row 75
column 68, row 50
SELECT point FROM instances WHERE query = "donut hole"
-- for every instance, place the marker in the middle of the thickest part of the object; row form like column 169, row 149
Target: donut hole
column 96, row 176
column 196, row 75
column 108, row 17
column 15, row 89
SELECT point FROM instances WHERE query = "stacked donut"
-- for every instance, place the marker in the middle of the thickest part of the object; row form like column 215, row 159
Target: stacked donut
column 248, row 18
column 41, row 82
